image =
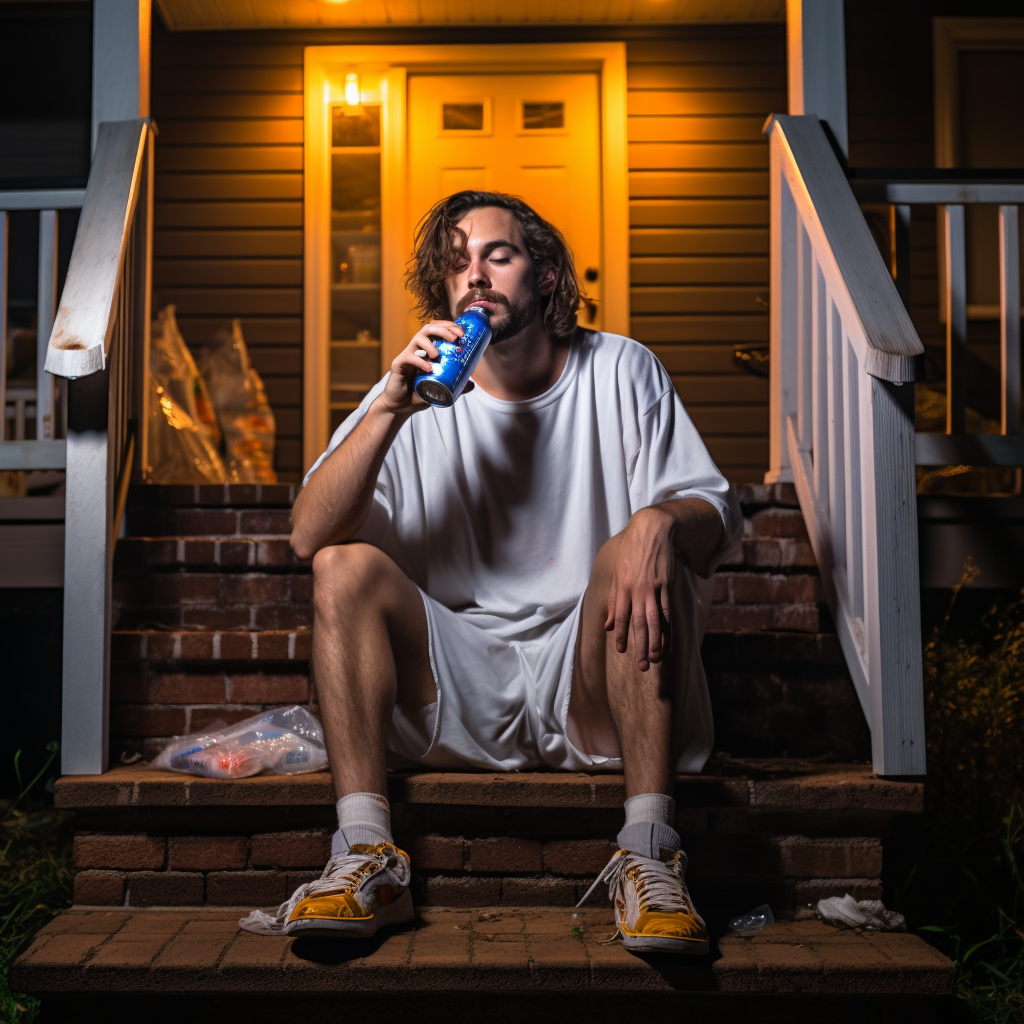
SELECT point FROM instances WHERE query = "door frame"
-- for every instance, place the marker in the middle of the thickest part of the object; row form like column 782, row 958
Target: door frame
column 325, row 65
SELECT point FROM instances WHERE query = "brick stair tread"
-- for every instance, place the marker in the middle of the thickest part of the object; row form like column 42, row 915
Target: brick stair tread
column 210, row 645
column 765, row 647
column 734, row 782
column 182, row 951
column 237, row 550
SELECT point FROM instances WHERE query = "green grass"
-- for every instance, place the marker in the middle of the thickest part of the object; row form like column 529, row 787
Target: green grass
column 958, row 873
column 35, row 881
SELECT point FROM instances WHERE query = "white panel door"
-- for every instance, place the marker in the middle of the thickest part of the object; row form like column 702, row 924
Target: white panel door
column 534, row 135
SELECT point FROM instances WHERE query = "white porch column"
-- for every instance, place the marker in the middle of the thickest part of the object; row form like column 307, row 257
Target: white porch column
column 120, row 61
column 120, row 92
column 816, row 62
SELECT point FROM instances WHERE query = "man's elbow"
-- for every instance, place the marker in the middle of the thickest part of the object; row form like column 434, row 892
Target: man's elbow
column 301, row 545
column 301, row 542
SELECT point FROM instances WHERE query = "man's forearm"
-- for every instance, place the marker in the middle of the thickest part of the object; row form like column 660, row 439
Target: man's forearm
column 336, row 501
column 696, row 531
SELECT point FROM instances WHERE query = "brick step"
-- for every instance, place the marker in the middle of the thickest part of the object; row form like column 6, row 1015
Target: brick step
column 553, row 963
column 785, row 832
column 772, row 693
column 208, row 581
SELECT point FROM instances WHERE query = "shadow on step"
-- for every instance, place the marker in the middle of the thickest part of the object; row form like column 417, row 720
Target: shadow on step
column 442, row 1007
column 330, row 952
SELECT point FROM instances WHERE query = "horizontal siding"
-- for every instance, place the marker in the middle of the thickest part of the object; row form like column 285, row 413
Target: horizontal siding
column 228, row 217
column 229, row 210
column 698, row 188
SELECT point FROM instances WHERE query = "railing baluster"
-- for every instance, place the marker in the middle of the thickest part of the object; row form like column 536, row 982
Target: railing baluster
column 783, row 319
column 46, row 311
column 822, row 465
column 854, row 488
column 956, row 319
column 901, row 231
column 1009, row 318
column 836, row 444
column 805, row 328
column 3, row 325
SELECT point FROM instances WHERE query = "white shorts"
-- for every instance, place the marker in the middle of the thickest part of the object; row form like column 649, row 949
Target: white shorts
column 504, row 705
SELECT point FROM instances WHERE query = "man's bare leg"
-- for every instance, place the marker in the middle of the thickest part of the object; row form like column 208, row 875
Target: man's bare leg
column 616, row 710
column 370, row 651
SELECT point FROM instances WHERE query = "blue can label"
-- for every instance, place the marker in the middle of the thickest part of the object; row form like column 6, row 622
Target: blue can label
column 456, row 361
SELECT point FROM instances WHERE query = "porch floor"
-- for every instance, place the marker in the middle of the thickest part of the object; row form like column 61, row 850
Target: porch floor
column 178, row 951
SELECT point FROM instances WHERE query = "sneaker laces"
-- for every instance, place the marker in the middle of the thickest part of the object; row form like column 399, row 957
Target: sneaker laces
column 659, row 883
column 343, row 871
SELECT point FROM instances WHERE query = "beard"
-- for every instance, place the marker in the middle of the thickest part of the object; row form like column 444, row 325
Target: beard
column 515, row 318
column 509, row 319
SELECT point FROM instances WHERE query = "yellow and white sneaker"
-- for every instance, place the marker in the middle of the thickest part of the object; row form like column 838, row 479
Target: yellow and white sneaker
column 653, row 909
column 358, row 893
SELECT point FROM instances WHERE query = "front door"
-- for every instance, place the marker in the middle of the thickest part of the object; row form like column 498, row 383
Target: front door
column 537, row 136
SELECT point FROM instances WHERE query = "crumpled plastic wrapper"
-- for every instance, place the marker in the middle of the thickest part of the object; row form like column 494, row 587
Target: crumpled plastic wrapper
column 871, row 915
column 183, row 434
column 284, row 741
column 240, row 401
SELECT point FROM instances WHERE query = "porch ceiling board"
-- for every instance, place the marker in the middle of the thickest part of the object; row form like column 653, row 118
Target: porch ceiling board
column 235, row 14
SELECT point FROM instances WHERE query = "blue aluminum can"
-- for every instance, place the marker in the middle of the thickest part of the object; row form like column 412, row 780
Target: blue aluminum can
column 457, row 360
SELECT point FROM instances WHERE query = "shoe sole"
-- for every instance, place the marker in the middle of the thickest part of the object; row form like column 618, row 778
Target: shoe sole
column 399, row 912
column 665, row 944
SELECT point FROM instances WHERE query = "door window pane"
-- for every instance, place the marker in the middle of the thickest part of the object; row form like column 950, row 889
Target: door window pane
column 355, row 256
column 463, row 117
column 355, row 126
column 543, row 115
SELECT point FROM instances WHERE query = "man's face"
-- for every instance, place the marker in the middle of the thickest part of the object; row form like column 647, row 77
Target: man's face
column 495, row 272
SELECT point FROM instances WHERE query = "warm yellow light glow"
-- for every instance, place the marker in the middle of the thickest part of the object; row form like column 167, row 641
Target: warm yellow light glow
column 352, row 89
column 327, row 94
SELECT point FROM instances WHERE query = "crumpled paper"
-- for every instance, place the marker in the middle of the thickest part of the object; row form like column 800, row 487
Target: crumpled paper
column 846, row 912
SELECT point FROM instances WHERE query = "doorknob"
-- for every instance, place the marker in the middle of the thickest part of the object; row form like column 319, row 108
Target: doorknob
column 590, row 274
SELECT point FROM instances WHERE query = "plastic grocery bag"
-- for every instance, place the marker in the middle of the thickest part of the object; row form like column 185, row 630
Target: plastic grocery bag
column 183, row 434
column 240, row 401
column 846, row 912
column 285, row 741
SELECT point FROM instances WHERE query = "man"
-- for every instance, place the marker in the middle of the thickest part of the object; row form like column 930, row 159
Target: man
column 511, row 583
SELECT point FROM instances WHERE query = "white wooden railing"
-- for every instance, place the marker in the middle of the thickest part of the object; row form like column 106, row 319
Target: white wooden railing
column 842, row 428
column 38, row 391
column 100, row 345
column 952, row 191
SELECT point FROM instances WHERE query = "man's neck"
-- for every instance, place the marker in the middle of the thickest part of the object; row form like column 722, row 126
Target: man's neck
column 523, row 366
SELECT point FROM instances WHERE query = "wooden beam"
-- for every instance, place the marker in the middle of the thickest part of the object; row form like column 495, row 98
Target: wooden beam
column 956, row 318
column 32, row 555
column 816, row 62
column 47, row 199
column 1009, row 318
column 25, row 455
column 120, row 61
column 969, row 450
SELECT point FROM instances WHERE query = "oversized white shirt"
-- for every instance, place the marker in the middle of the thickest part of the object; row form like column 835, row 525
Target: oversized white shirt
column 497, row 509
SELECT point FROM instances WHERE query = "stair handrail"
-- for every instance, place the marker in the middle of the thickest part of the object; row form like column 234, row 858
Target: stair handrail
column 842, row 428
column 100, row 344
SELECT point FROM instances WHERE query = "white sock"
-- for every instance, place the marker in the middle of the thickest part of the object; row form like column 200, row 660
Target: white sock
column 650, row 807
column 362, row 818
column 648, row 827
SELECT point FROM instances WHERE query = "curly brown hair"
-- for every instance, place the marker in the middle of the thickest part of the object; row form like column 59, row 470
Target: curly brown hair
column 439, row 243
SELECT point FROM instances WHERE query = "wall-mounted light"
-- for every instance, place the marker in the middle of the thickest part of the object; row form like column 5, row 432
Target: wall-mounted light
column 352, row 89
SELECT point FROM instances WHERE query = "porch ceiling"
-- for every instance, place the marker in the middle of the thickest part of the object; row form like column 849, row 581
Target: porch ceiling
column 235, row 14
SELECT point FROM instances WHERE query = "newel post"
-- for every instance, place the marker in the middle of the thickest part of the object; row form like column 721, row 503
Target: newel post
column 782, row 313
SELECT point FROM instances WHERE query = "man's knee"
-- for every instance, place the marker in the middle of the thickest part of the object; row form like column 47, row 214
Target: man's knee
column 350, row 574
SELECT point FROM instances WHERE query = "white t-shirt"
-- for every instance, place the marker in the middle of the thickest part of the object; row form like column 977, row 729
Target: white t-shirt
column 497, row 509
